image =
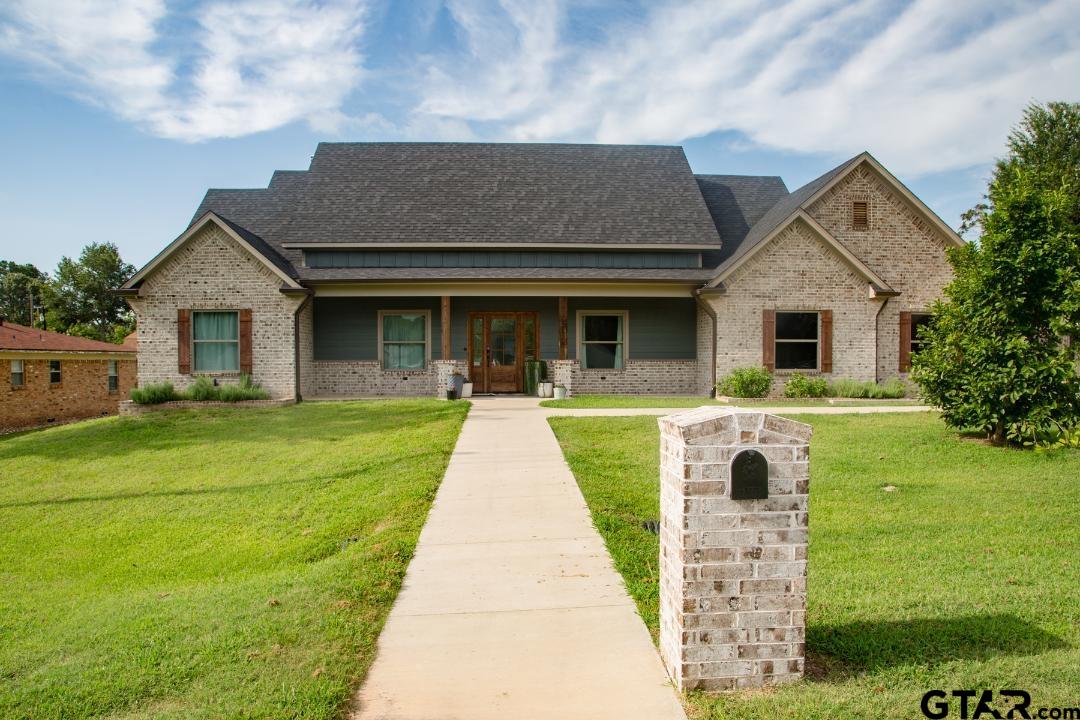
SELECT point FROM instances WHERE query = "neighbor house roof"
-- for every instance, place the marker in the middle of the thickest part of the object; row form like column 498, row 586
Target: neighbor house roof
column 19, row 337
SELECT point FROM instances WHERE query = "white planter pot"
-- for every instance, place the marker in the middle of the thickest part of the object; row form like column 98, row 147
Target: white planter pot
column 560, row 393
column 466, row 390
column 544, row 389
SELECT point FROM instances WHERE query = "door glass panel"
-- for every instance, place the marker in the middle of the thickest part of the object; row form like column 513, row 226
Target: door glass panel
column 502, row 334
column 478, row 341
column 529, row 325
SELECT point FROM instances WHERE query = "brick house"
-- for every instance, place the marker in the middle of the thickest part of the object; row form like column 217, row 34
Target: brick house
column 384, row 267
column 51, row 377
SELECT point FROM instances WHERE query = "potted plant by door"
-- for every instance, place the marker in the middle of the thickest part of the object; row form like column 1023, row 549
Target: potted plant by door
column 454, row 385
column 560, row 392
column 466, row 388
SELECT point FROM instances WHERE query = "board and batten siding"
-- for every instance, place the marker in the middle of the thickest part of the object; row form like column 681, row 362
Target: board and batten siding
column 347, row 328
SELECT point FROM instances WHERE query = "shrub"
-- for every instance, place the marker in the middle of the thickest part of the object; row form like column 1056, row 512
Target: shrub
column 154, row 394
column 842, row 388
column 203, row 389
column 244, row 390
column 801, row 386
column 748, row 382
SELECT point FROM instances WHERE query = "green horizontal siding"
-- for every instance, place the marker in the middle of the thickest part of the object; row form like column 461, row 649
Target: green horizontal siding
column 347, row 328
column 499, row 259
column 660, row 328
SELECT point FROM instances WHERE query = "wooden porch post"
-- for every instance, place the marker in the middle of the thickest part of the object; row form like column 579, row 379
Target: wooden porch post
column 446, row 327
column 562, row 327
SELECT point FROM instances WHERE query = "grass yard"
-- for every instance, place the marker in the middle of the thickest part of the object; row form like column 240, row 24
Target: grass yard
column 966, row 576
column 686, row 401
column 212, row 563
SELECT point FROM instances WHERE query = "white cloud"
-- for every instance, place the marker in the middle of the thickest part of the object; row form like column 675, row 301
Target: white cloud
column 257, row 65
column 930, row 87
column 927, row 85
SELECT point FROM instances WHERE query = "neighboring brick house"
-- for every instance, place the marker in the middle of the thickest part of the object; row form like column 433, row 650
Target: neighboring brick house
column 384, row 267
column 49, row 377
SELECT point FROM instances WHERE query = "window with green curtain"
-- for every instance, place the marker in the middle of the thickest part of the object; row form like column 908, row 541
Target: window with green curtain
column 404, row 340
column 215, row 341
column 603, row 344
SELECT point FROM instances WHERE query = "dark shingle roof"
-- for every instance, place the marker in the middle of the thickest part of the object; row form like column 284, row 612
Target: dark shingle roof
column 695, row 275
column 777, row 215
column 737, row 202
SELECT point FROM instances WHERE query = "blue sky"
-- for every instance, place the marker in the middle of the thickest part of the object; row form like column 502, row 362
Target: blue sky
column 116, row 116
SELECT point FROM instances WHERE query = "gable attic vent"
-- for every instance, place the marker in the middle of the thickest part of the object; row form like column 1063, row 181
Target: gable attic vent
column 860, row 215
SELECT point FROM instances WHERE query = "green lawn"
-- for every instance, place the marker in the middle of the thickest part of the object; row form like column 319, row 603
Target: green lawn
column 687, row 401
column 209, row 564
column 966, row 576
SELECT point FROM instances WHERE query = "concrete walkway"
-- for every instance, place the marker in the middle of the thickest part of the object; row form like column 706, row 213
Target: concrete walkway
column 511, row 608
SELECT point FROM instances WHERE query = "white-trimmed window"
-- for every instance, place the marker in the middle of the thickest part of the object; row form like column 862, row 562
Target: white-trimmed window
column 215, row 340
column 55, row 372
column 18, row 376
column 114, row 377
column 797, row 336
column 404, row 339
column 602, row 339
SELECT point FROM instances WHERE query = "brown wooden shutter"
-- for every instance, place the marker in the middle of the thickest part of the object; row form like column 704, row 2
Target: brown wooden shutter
column 905, row 341
column 183, row 341
column 768, row 339
column 245, row 342
column 826, row 341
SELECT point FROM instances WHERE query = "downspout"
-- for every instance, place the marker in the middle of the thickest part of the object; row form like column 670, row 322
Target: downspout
column 712, row 358
column 877, row 338
column 296, row 346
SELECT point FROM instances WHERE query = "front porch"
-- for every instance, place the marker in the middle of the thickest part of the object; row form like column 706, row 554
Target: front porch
column 396, row 345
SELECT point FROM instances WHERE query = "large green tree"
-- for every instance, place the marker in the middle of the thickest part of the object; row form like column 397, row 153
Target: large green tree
column 80, row 300
column 999, row 356
column 19, row 286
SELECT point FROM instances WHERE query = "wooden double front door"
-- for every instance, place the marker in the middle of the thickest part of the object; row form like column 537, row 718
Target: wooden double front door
column 499, row 345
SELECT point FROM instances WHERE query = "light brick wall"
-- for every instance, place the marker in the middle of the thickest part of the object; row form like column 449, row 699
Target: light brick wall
column 365, row 378
column 796, row 271
column 706, row 326
column 732, row 572
column 639, row 377
column 900, row 246
column 213, row 272
column 83, row 392
column 306, row 321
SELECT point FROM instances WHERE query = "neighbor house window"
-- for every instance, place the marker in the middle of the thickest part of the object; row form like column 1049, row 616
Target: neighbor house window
column 860, row 215
column 918, row 322
column 17, row 375
column 404, row 339
column 215, row 340
column 54, row 372
column 602, row 344
column 114, row 377
column 797, row 340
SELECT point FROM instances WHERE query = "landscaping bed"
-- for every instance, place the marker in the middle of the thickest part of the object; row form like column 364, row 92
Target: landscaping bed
column 933, row 562
column 210, row 563
column 691, row 401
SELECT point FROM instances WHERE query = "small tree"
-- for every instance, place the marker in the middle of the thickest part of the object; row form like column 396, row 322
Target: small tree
column 80, row 300
column 998, row 356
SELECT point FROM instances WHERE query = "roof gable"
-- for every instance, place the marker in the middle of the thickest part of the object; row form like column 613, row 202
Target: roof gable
column 795, row 205
column 255, row 245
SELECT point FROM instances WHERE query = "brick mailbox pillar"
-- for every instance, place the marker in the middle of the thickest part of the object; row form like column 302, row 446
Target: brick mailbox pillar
column 733, row 532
